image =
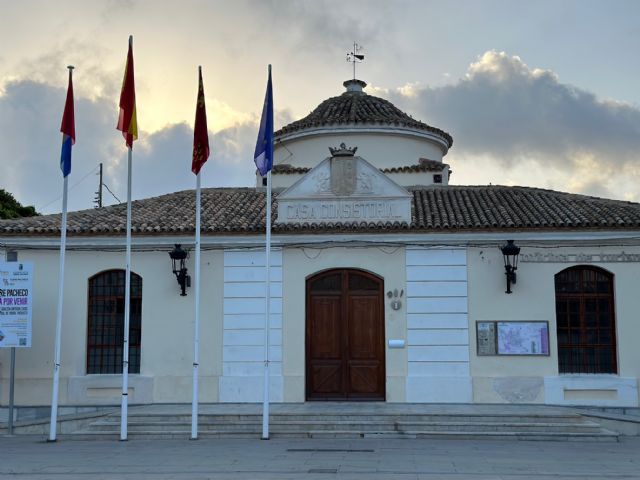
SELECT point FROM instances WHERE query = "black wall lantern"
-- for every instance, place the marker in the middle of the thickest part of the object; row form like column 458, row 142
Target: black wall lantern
column 178, row 257
column 510, row 252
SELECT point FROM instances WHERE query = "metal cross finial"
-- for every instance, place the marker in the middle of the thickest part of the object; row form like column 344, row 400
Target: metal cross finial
column 355, row 57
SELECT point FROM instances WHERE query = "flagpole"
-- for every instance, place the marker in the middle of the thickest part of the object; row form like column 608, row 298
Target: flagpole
column 58, row 339
column 196, row 334
column 267, row 281
column 263, row 158
column 127, row 309
column 265, row 403
column 56, row 362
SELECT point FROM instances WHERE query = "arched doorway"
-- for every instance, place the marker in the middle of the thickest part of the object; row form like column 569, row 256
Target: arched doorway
column 345, row 354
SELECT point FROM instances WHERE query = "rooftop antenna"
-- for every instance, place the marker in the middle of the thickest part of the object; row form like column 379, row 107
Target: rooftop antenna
column 355, row 57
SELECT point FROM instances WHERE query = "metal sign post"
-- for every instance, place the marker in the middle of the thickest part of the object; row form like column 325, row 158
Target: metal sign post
column 11, row 257
column 12, row 381
column 15, row 315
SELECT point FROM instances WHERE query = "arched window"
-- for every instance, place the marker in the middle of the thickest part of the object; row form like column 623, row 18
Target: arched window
column 105, row 330
column 585, row 321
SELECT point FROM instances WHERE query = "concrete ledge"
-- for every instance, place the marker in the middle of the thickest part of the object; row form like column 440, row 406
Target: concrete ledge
column 595, row 390
column 439, row 390
column 106, row 389
column 249, row 389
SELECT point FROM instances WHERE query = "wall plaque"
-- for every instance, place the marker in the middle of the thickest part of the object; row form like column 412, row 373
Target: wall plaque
column 486, row 338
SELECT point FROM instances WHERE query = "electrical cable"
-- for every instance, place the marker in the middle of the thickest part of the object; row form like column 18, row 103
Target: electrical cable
column 70, row 188
column 112, row 194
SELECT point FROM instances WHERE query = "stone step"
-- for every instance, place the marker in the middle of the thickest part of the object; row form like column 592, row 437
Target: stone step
column 331, row 418
column 603, row 436
column 293, row 426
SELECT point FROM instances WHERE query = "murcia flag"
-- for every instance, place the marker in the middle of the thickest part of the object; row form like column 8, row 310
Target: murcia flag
column 127, row 121
column 263, row 155
column 68, row 129
column 200, row 132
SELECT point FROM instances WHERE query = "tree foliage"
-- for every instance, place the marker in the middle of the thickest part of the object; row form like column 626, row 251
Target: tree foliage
column 11, row 208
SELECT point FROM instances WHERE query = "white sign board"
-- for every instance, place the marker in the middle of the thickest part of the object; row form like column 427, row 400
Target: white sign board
column 16, row 280
column 523, row 338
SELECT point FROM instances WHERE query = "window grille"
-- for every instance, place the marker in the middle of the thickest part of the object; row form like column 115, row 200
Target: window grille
column 585, row 321
column 105, row 330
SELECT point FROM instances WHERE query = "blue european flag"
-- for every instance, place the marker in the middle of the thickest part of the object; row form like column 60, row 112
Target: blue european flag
column 263, row 155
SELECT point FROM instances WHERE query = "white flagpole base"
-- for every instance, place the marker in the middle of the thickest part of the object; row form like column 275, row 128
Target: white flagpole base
column 58, row 340
column 127, row 311
column 196, row 326
column 265, row 403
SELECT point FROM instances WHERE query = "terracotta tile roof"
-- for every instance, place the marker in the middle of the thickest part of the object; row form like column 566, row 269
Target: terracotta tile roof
column 424, row 165
column 288, row 169
column 434, row 209
column 362, row 109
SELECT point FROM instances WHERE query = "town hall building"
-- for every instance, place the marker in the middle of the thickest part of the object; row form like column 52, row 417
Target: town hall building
column 389, row 283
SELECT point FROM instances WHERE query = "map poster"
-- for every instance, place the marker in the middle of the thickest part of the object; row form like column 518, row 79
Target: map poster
column 15, row 304
column 523, row 338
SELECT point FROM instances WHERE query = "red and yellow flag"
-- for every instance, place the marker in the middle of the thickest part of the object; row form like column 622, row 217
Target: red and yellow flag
column 200, row 132
column 127, row 120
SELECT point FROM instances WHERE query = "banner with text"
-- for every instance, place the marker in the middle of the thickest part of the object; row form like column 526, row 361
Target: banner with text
column 15, row 304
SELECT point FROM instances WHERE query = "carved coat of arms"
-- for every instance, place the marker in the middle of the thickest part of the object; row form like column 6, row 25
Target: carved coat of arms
column 343, row 176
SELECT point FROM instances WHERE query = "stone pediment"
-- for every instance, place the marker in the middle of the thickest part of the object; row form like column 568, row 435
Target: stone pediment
column 344, row 189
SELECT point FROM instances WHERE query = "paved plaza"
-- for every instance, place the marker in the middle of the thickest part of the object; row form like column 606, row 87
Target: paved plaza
column 29, row 457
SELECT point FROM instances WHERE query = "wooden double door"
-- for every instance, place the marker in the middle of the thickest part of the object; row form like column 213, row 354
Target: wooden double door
column 345, row 336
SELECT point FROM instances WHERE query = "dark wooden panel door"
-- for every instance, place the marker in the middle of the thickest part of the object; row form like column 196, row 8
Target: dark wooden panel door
column 345, row 336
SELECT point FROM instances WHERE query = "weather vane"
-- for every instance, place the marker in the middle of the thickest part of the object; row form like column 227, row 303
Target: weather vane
column 355, row 57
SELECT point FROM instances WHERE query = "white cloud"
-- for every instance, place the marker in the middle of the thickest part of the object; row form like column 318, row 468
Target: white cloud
column 511, row 124
column 514, row 116
column 30, row 115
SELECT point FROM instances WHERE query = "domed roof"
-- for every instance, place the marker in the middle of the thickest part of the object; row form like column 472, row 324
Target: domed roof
column 355, row 106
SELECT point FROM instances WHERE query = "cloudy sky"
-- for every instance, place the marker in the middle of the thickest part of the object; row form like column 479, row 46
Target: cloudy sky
column 542, row 93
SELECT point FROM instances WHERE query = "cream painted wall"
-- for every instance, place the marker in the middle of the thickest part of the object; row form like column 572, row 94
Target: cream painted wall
column 300, row 263
column 379, row 149
column 167, row 331
column 167, row 328
column 522, row 379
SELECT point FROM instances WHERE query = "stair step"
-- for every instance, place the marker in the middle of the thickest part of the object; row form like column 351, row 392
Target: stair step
column 353, row 421
column 349, row 434
column 287, row 426
column 203, row 418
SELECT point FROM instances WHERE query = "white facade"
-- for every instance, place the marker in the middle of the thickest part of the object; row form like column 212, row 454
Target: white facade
column 436, row 285
column 446, row 291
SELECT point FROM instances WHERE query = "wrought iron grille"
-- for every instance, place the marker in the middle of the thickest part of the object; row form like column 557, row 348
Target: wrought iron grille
column 585, row 321
column 105, row 331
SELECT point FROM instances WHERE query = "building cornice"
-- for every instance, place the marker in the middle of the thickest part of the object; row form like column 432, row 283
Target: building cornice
column 461, row 239
column 366, row 129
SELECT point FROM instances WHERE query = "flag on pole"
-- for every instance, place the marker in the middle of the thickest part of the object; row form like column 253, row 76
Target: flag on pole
column 127, row 120
column 200, row 132
column 68, row 129
column 263, row 155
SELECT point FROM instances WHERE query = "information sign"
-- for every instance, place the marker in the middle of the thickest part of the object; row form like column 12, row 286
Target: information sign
column 512, row 338
column 15, row 304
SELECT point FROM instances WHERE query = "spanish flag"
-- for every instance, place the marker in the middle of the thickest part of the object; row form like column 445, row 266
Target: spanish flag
column 127, row 121
column 200, row 132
